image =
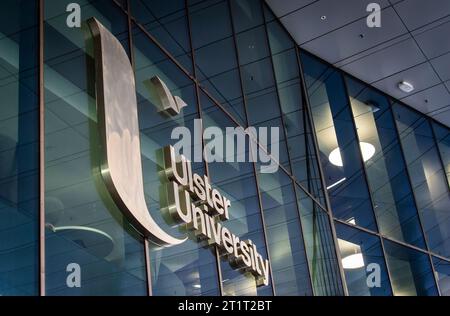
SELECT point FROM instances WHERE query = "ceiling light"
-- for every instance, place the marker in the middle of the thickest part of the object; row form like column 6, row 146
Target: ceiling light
column 405, row 86
column 196, row 286
column 336, row 183
column 367, row 151
column 354, row 261
column 323, row 17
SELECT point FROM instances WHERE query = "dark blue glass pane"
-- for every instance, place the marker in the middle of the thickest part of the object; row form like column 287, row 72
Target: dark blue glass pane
column 237, row 182
column 363, row 262
column 168, row 23
column 320, row 247
column 84, row 226
column 340, row 152
column 19, row 148
column 389, row 184
column 284, row 234
column 442, row 269
column 215, row 54
column 188, row 268
column 428, row 177
column 410, row 270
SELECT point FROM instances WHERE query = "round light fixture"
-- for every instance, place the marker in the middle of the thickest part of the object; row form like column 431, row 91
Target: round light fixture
column 405, row 86
column 354, row 261
column 367, row 151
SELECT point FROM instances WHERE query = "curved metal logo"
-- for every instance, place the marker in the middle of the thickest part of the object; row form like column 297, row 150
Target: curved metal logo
column 121, row 167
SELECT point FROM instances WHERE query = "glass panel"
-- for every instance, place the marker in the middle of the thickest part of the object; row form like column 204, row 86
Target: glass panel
column 442, row 135
column 236, row 181
column 363, row 262
column 392, row 196
column 215, row 54
column 428, row 177
column 186, row 269
column 320, row 247
column 19, row 148
column 284, row 234
column 340, row 154
column 300, row 145
column 246, row 14
column 167, row 22
column 442, row 269
column 261, row 94
column 410, row 271
column 84, row 226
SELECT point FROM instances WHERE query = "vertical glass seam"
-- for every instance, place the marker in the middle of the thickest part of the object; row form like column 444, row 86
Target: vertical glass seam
column 322, row 177
column 425, row 237
column 364, row 171
column 244, row 101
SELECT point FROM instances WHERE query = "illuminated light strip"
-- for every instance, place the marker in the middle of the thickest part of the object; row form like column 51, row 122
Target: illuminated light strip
column 336, row 183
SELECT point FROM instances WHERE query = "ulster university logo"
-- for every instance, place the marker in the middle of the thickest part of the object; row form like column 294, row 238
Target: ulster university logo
column 120, row 150
column 189, row 199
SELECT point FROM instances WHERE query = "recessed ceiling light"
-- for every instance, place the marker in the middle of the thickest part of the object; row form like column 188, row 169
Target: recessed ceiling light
column 354, row 261
column 405, row 86
column 367, row 151
column 323, row 17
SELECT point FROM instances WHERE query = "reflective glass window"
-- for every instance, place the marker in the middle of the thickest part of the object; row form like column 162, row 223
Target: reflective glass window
column 442, row 269
column 363, row 262
column 188, row 268
column 84, row 226
column 428, row 177
column 246, row 14
column 320, row 247
column 19, row 148
column 410, row 271
column 300, row 145
column 215, row 54
column 340, row 152
column 391, row 191
column 284, row 235
column 236, row 181
column 442, row 135
column 167, row 22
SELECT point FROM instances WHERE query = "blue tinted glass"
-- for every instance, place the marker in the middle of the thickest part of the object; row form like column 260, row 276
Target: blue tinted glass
column 320, row 247
column 363, row 262
column 84, row 226
column 428, row 177
column 215, row 54
column 340, row 154
column 284, row 235
column 236, row 180
column 167, row 22
column 19, row 149
column 442, row 135
column 246, row 14
column 391, row 191
column 442, row 269
column 188, row 268
column 410, row 271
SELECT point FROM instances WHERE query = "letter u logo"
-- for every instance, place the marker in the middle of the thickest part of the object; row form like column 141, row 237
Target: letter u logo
column 117, row 118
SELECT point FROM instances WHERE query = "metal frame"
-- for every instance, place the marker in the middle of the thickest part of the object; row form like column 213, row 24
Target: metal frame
column 199, row 88
column 41, row 151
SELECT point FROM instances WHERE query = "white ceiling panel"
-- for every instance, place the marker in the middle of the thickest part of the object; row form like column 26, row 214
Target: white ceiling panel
column 411, row 45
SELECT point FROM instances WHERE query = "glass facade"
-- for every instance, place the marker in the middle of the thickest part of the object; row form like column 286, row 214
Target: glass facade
column 359, row 204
